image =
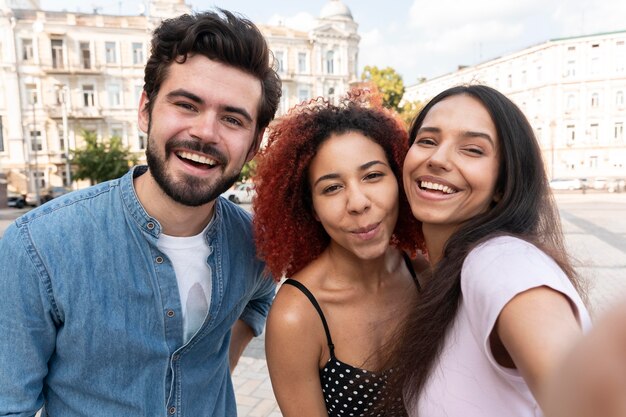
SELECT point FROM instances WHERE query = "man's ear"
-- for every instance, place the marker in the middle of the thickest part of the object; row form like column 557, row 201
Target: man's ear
column 143, row 115
column 256, row 144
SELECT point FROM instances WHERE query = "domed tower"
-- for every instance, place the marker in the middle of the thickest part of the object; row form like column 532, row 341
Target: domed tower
column 336, row 48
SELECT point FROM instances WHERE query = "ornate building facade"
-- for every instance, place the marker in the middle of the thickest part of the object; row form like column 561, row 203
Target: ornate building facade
column 63, row 74
column 572, row 91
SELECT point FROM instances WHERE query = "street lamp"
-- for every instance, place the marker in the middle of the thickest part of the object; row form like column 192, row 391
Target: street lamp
column 33, row 140
column 63, row 95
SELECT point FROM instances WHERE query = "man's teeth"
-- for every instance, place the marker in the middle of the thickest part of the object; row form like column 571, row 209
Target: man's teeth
column 196, row 158
column 434, row 186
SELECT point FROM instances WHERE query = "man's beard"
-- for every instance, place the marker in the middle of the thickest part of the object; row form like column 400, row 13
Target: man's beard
column 189, row 191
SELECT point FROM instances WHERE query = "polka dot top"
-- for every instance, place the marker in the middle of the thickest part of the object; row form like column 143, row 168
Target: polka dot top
column 350, row 391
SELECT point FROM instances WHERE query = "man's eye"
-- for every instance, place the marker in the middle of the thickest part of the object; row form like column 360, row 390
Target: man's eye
column 186, row 106
column 233, row 120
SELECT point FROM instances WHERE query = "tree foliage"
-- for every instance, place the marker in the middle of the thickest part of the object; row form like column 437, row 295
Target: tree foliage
column 99, row 161
column 387, row 82
column 408, row 110
column 248, row 171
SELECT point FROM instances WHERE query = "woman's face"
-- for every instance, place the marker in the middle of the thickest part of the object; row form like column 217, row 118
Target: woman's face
column 451, row 170
column 354, row 194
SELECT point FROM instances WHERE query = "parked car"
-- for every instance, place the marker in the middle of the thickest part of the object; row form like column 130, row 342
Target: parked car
column 600, row 183
column 45, row 195
column 16, row 201
column 566, row 184
column 242, row 193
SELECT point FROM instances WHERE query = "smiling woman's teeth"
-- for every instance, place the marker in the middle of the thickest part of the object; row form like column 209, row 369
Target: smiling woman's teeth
column 438, row 187
column 196, row 158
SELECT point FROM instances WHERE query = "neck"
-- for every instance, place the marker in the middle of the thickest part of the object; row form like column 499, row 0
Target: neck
column 436, row 237
column 348, row 269
column 176, row 219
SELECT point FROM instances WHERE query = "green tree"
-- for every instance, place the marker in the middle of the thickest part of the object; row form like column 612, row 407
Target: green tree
column 248, row 171
column 99, row 161
column 388, row 83
column 408, row 110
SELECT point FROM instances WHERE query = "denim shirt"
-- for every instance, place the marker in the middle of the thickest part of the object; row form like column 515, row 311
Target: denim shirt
column 90, row 315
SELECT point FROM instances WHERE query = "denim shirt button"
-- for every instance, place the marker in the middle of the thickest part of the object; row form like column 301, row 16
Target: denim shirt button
column 175, row 358
column 159, row 259
column 150, row 225
column 172, row 410
column 170, row 313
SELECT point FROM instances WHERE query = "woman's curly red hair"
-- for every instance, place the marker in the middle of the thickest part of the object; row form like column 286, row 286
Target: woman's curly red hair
column 288, row 236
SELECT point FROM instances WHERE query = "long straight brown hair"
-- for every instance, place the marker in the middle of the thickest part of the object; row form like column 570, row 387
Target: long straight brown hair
column 526, row 210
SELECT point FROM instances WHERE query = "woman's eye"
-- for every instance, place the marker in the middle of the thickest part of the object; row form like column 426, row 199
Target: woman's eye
column 373, row 175
column 425, row 141
column 475, row 151
column 330, row 189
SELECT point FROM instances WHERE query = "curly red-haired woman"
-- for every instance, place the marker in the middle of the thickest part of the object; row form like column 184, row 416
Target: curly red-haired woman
column 331, row 216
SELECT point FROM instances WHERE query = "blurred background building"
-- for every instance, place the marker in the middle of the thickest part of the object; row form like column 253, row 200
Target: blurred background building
column 572, row 91
column 63, row 74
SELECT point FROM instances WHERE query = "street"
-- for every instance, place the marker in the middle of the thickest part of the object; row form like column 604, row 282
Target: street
column 594, row 225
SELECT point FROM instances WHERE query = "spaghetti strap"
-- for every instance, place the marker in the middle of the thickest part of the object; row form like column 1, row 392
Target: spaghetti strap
column 311, row 298
column 409, row 265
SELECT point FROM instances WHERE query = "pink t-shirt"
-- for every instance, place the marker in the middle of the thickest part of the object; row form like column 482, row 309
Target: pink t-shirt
column 467, row 381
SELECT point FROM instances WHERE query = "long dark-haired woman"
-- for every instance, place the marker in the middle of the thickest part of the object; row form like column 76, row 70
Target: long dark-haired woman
column 501, row 306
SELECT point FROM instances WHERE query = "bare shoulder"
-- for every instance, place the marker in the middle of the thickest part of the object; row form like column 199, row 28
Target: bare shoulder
column 292, row 309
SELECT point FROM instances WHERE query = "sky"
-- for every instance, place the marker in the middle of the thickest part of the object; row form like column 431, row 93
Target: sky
column 420, row 38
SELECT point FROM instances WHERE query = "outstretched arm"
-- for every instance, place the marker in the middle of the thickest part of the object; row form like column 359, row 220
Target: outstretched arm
column 242, row 334
column 536, row 328
column 591, row 381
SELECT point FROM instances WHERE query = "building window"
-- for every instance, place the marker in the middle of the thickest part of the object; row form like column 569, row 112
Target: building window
column 1, row 135
column 620, row 56
column 303, row 95
column 570, row 135
column 35, row 140
column 595, row 100
column 110, row 51
column 571, row 102
column 115, row 95
column 523, row 77
column 57, row 53
column 330, row 62
column 85, row 55
column 137, row 53
column 61, row 134
column 302, row 62
column 618, row 132
column 509, row 80
column 89, row 95
column 593, row 132
column 27, row 50
column 570, row 69
column 619, row 98
column 40, row 179
column 539, row 69
column 117, row 132
column 138, row 91
column 280, row 61
column 31, row 94
column 142, row 140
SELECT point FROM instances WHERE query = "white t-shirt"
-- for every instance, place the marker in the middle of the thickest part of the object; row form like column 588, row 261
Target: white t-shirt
column 189, row 258
column 467, row 381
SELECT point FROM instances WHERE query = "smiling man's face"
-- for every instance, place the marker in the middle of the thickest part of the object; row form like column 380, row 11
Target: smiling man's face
column 202, row 130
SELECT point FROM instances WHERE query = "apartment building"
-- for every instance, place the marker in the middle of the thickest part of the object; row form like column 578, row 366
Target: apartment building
column 572, row 91
column 63, row 74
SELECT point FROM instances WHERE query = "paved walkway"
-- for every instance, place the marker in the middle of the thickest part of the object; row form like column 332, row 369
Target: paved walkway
column 595, row 231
